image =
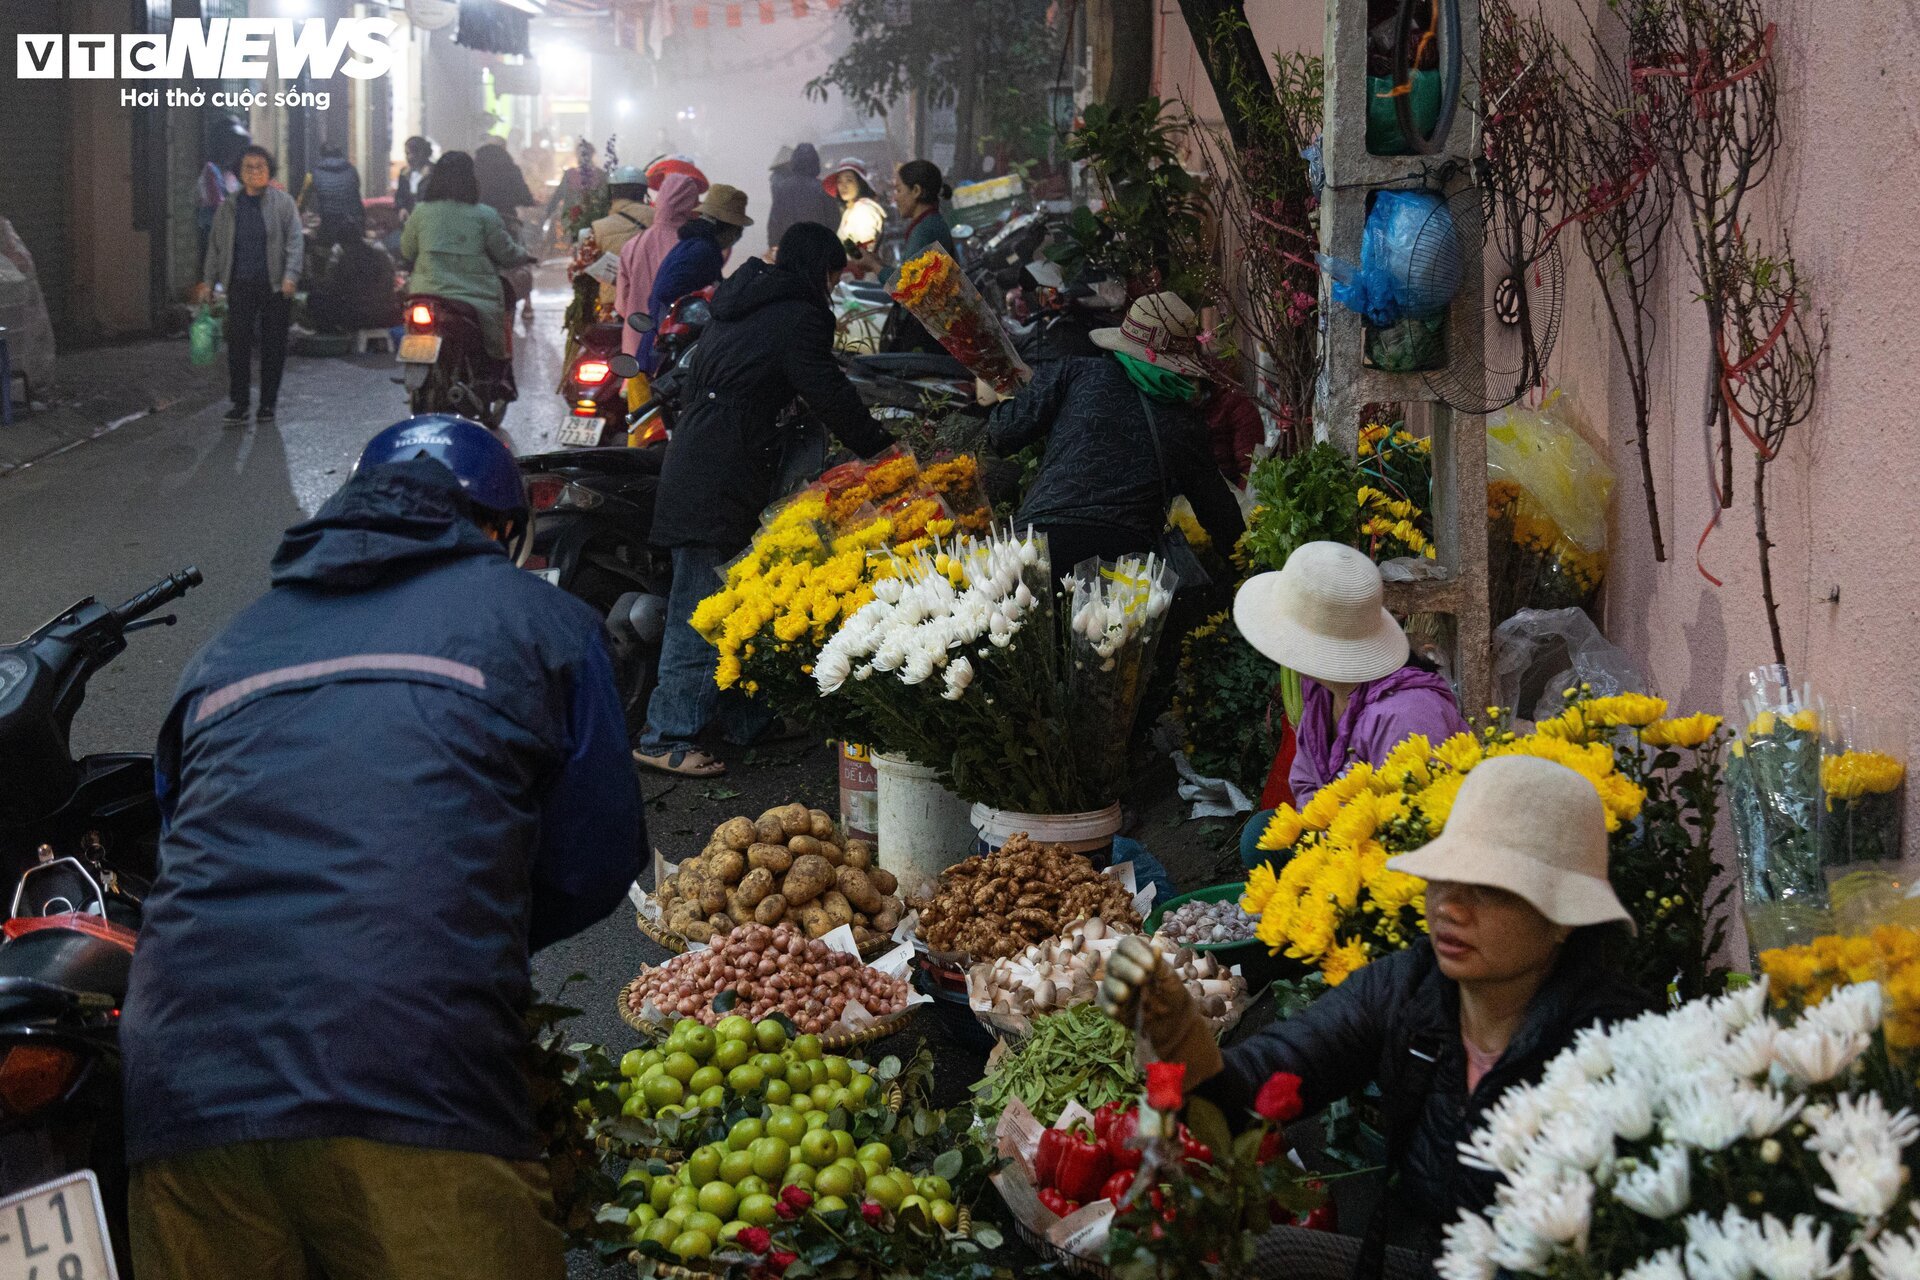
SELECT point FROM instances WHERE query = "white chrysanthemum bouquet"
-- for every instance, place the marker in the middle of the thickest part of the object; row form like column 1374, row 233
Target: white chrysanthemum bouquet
column 959, row 664
column 1705, row 1143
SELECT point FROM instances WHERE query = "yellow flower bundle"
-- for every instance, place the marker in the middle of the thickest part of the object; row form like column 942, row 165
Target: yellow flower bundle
column 1852, row 774
column 1803, row 976
column 1330, row 899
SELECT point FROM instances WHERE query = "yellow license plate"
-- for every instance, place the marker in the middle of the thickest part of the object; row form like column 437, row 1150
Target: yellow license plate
column 419, row 348
column 57, row 1229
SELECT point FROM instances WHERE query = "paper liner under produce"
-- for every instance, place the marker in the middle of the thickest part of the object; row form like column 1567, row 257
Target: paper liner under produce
column 908, row 930
column 1082, row 1233
column 896, row 963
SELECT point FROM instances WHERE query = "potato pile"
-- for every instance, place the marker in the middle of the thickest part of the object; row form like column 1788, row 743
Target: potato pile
column 998, row 904
column 783, row 867
column 770, row 970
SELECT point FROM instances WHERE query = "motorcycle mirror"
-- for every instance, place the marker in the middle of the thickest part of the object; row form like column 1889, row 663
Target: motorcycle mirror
column 962, row 230
column 624, row 366
column 640, row 322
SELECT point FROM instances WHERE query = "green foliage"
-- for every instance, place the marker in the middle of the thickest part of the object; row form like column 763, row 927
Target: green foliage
column 569, row 1087
column 1152, row 229
column 1310, row 497
column 1223, row 698
column 902, row 45
column 1664, row 871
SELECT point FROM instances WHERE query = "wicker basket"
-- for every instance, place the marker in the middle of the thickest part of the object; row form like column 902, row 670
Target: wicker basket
column 879, row 1030
column 673, row 942
column 673, row 1271
column 1071, row 1262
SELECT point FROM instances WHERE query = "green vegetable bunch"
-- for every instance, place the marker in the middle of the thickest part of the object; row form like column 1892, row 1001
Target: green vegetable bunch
column 1309, row 497
column 1079, row 1054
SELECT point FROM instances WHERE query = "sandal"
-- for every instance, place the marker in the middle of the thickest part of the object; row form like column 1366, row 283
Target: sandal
column 685, row 763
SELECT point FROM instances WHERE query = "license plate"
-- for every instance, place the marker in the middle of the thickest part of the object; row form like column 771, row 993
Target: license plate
column 419, row 348
column 549, row 575
column 582, row 432
column 56, row 1231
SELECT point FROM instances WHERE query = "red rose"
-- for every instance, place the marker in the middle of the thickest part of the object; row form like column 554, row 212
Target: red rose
column 1163, row 1084
column 1279, row 1098
column 786, row 1211
column 755, row 1239
column 873, row 1212
column 780, row 1259
column 797, row 1196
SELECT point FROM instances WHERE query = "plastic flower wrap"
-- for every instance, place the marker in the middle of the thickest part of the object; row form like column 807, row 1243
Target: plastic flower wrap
column 1773, row 798
column 1329, row 899
column 937, row 291
column 1709, row 1141
column 1547, row 495
column 1118, row 611
column 1863, row 783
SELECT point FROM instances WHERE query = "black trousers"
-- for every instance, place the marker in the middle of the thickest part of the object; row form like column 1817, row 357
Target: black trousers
column 256, row 306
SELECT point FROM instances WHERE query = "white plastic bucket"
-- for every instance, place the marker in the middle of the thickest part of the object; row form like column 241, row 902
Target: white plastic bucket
column 1089, row 832
column 924, row 828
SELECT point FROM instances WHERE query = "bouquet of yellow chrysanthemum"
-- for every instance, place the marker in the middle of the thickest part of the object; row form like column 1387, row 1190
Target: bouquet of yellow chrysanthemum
column 1328, row 897
column 1864, row 790
column 1800, row 977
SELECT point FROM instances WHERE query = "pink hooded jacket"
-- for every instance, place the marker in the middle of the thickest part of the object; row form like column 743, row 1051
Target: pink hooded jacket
column 640, row 257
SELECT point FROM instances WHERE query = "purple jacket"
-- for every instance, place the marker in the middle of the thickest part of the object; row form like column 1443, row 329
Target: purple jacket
column 1380, row 716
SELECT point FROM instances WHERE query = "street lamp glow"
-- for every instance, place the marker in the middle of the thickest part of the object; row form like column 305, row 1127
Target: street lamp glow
column 625, row 107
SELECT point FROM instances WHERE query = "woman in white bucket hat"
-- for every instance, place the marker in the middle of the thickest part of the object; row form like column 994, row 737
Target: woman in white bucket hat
column 1525, row 930
column 1323, row 616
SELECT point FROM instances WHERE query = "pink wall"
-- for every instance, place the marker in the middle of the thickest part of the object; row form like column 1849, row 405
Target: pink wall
column 1843, row 510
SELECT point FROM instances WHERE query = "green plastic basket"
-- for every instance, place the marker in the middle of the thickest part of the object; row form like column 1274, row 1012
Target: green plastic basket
column 1257, row 965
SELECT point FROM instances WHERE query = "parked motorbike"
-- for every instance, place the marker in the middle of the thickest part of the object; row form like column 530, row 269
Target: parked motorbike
column 908, row 384
column 69, row 938
column 444, row 362
column 592, row 517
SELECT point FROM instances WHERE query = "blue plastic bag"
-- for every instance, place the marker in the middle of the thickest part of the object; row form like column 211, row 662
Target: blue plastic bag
column 1389, row 285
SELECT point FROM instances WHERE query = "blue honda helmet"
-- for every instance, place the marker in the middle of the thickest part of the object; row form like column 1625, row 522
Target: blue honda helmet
column 483, row 465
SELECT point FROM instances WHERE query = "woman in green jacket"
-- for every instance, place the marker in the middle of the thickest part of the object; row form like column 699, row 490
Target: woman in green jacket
column 457, row 247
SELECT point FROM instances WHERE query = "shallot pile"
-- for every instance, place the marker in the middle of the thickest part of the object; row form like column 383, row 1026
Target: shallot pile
column 1196, row 923
column 771, row 970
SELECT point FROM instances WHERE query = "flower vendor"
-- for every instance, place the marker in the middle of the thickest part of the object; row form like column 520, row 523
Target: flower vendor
column 1323, row 615
column 1524, row 925
column 1123, row 438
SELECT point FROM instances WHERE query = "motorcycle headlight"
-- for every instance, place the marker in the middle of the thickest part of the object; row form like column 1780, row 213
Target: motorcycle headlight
column 13, row 670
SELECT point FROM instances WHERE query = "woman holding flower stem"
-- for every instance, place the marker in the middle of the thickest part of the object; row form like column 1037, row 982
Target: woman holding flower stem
column 1521, row 958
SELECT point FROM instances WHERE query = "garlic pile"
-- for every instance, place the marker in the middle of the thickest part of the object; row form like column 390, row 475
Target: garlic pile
column 1196, row 923
column 1064, row 971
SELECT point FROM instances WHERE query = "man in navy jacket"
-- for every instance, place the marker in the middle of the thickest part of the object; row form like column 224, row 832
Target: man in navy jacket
column 387, row 782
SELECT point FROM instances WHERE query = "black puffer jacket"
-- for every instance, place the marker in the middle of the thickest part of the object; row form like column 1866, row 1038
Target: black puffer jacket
column 771, row 340
column 1367, row 1030
column 1101, row 468
column 336, row 192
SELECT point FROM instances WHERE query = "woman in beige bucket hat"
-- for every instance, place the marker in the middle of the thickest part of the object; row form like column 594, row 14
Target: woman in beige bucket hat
column 1525, row 928
column 1324, row 616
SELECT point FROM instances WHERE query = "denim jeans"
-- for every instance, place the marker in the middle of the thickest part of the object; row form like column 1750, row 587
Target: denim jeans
column 686, row 700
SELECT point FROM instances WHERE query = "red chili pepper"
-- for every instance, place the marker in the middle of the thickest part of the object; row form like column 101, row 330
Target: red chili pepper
column 1051, row 1197
column 1117, row 1186
column 1192, row 1150
column 1104, row 1118
column 1046, row 1163
column 1084, row 1165
column 1124, row 1129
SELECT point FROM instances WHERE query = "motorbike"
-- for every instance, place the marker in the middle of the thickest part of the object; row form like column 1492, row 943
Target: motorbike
column 596, row 396
column 67, row 944
column 444, row 362
column 685, row 321
column 908, row 384
column 592, row 518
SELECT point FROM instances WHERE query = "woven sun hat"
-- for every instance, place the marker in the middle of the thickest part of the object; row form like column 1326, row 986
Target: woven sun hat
column 1159, row 329
column 1532, row 827
column 1323, row 615
column 725, row 203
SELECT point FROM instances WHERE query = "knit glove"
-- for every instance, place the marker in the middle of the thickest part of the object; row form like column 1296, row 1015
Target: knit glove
column 1142, row 989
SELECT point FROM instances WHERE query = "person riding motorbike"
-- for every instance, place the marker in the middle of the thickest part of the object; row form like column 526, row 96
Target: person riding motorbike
column 1120, row 441
column 797, row 195
column 1525, row 930
column 696, row 259
column 387, row 783
column 458, row 247
column 640, row 260
column 771, row 340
